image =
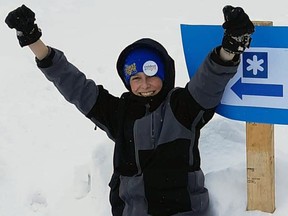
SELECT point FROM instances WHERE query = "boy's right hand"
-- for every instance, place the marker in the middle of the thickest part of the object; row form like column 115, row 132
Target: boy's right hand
column 22, row 19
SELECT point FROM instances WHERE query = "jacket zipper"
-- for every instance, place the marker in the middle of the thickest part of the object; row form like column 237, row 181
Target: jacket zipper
column 152, row 132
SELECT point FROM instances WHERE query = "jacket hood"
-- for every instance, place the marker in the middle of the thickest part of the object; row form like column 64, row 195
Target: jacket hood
column 169, row 67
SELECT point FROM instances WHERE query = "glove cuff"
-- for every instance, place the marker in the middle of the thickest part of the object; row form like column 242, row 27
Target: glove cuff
column 29, row 38
column 48, row 60
column 215, row 56
column 236, row 44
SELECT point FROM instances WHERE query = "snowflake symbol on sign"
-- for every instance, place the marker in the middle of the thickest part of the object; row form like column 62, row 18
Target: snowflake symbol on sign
column 255, row 65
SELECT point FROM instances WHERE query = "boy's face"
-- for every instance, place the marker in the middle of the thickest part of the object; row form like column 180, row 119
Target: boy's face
column 145, row 86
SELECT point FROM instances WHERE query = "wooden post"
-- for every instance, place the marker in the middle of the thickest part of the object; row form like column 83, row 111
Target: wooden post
column 260, row 167
column 260, row 162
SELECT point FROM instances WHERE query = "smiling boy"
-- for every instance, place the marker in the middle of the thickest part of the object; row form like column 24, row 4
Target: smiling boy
column 155, row 126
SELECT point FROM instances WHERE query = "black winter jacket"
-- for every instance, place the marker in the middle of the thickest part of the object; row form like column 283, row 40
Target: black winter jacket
column 156, row 157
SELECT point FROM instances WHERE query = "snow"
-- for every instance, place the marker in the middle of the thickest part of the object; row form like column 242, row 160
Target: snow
column 53, row 162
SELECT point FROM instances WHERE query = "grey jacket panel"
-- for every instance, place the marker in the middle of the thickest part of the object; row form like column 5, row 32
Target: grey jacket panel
column 160, row 126
column 71, row 83
column 131, row 191
column 156, row 128
column 208, row 84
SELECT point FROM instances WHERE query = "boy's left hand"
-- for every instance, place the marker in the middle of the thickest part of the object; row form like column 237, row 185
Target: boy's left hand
column 238, row 29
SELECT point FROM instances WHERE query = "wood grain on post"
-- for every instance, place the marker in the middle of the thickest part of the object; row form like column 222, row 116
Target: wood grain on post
column 260, row 162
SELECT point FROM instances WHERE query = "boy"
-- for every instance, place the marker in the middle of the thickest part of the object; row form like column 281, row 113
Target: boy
column 155, row 126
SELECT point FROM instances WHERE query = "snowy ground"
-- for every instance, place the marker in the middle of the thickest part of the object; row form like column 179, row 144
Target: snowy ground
column 49, row 152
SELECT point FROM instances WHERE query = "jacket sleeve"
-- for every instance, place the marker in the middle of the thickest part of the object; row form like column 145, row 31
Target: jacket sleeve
column 69, row 80
column 208, row 84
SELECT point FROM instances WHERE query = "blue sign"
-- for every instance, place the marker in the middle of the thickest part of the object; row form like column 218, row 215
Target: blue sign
column 259, row 90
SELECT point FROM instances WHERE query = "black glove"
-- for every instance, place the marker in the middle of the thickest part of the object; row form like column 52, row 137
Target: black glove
column 22, row 19
column 238, row 29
